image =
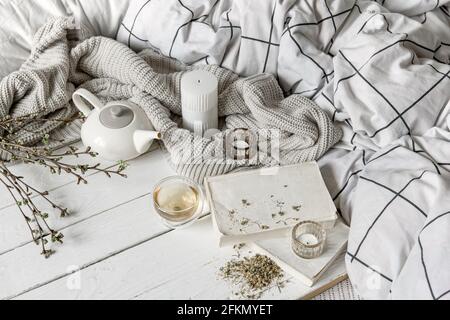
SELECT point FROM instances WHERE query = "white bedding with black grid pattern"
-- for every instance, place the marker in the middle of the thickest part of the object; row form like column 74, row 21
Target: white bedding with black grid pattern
column 381, row 70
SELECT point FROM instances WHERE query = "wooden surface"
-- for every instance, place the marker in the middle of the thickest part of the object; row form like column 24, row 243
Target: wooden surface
column 115, row 246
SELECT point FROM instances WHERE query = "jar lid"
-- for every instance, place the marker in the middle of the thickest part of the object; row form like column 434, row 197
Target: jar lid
column 116, row 116
column 199, row 90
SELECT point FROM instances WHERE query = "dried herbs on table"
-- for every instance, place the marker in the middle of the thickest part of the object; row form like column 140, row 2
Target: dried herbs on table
column 254, row 275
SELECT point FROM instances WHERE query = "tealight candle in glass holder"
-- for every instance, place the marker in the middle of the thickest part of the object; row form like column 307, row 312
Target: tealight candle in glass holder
column 308, row 239
column 178, row 201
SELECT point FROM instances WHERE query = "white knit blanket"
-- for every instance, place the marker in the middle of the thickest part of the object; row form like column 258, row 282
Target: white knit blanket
column 114, row 72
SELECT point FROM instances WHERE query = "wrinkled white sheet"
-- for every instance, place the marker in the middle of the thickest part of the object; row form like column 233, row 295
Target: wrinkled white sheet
column 20, row 19
column 383, row 74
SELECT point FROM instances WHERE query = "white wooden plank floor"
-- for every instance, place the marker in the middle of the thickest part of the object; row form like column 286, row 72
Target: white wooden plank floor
column 115, row 246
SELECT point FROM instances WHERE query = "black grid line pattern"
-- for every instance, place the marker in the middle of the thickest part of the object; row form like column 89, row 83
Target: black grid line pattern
column 377, row 91
column 288, row 30
column 366, row 163
column 397, row 42
column 339, row 81
column 352, row 175
column 353, row 257
column 356, row 173
column 330, row 17
column 231, row 28
column 401, row 41
column 445, row 11
column 335, row 112
column 200, row 19
column 327, row 19
column 400, row 115
column 356, row 246
column 325, row 73
column 396, row 196
column 131, row 34
column 432, row 291
column 330, row 44
column 192, row 20
column 134, row 21
column 269, row 43
column 415, row 103
column 366, row 265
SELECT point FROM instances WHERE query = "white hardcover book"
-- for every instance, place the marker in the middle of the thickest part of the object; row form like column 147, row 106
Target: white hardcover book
column 333, row 276
column 308, row 271
column 263, row 203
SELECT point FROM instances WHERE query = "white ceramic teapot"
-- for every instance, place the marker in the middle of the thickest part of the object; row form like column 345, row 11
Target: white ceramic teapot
column 119, row 130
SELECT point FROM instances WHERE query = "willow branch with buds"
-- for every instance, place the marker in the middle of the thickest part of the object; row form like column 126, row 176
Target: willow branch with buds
column 22, row 193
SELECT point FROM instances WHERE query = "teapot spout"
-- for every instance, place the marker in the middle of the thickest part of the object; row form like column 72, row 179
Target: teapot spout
column 154, row 135
column 143, row 139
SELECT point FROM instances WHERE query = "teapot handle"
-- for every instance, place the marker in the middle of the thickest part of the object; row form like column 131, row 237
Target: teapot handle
column 80, row 96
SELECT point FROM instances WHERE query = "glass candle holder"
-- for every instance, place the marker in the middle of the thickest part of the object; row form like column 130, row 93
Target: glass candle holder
column 178, row 201
column 308, row 239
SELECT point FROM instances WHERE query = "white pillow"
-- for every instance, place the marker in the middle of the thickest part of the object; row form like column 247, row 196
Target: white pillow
column 20, row 19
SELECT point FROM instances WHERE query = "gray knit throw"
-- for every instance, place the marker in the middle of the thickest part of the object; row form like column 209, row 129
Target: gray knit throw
column 112, row 71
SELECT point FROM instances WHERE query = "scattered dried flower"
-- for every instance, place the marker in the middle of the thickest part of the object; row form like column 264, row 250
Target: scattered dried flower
column 244, row 222
column 245, row 203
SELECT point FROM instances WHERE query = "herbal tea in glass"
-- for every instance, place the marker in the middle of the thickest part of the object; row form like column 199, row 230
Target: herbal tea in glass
column 177, row 200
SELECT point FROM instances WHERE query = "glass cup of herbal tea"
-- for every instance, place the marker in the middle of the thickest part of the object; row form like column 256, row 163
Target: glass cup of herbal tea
column 178, row 201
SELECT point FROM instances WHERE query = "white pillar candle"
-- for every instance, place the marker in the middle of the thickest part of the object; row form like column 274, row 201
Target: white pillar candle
column 199, row 101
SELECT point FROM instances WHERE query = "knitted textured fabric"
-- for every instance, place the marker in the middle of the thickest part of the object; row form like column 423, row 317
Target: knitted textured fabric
column 112, row 71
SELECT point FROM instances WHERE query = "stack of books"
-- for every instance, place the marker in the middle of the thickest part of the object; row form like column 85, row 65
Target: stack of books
column 262, row 206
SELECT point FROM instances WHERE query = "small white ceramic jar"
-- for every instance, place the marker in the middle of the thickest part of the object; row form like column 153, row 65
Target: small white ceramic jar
column 199, row 101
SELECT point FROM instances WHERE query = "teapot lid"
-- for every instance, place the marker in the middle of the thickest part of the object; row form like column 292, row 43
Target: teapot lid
column 116, row 116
